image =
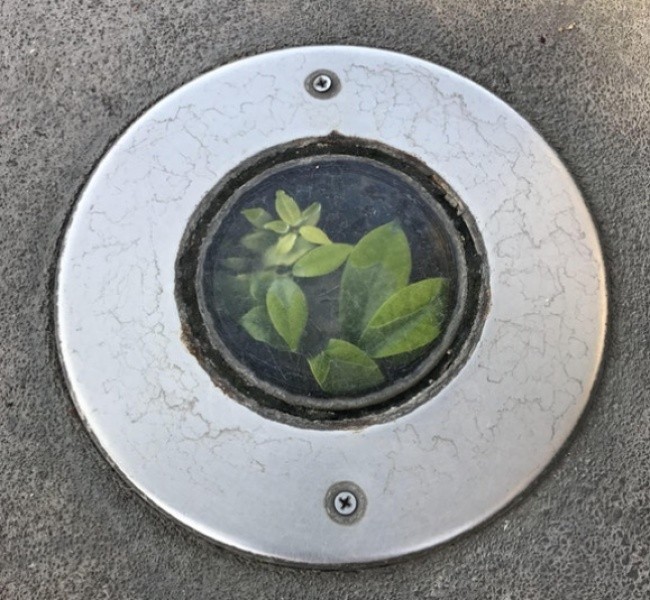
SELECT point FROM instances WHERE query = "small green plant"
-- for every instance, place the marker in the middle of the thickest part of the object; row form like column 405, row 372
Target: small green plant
column 379, row 314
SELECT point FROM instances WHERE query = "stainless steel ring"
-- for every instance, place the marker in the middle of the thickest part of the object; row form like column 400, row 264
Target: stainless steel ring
column 429, row 474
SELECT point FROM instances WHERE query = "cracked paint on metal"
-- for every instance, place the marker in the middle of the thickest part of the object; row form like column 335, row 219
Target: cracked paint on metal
column 225, row 471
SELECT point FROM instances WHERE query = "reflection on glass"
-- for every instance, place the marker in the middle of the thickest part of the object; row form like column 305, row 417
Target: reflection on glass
column 327, row 298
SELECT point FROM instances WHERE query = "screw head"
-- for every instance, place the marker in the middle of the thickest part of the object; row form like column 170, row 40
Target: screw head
column 345, row 503
column 321, row 83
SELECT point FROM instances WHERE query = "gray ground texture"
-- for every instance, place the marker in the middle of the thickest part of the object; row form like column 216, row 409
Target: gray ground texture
column 74, row 74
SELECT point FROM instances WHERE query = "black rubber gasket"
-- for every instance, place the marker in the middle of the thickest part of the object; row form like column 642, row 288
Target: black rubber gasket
column 271, row 402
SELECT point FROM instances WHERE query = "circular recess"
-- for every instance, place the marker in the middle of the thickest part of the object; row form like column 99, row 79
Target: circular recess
column 323, row 84
column 361, row 248
column 345, row 503
column 175, row 399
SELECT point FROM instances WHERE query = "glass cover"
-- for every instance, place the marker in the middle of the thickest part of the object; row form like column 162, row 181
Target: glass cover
column 330, row 276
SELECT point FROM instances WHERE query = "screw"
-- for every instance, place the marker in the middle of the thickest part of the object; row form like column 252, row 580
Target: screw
column 345, row 503
column 321, row 83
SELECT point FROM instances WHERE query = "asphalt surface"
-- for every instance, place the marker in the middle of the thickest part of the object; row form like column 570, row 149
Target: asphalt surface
column 74, row 74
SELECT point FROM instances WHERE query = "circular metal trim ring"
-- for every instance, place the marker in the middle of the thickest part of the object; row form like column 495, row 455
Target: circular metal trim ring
column 258, row 485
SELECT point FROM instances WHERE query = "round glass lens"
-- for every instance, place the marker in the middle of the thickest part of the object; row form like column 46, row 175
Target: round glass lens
column 329, row 277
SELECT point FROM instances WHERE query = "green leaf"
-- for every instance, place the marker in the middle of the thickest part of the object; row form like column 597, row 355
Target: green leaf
column 277, row 227
column 257, row 216
column 286, row 242
column 311, row 215
column 258, row 241
column 378, row 266
column 314, row 235
column 232, row 293
column 288, row 311
column 322, row 260
column 408, row 320
column 236, row 263
column 287, row 208
column 342, row 368
column 272, row 258
column 258, row 325
column 260, row 282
